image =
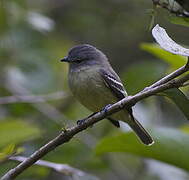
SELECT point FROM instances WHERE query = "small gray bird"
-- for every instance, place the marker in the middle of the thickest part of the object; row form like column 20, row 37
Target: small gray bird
column 95, row 84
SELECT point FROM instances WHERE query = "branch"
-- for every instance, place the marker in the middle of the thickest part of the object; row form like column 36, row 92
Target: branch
column 68, row 134
column 61, row 168
column 15, row 87
column 31, row 98
column 171, row 76
column 183, row 12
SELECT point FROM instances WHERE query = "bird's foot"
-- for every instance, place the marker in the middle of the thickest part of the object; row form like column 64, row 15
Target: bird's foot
column 105, row 109
column 80, row 122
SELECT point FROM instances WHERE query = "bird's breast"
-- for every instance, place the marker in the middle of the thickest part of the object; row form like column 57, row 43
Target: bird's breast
column 88, row 87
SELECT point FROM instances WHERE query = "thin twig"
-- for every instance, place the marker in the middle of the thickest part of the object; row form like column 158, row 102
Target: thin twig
column 171, row 76
column 61, row 168
column 67, row 135
column 44, row 107
column 32, row 98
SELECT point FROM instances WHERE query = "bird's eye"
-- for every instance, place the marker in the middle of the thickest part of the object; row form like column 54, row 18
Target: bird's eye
column 78, row 61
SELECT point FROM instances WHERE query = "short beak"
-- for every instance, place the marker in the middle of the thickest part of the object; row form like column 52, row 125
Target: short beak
column 65, row 59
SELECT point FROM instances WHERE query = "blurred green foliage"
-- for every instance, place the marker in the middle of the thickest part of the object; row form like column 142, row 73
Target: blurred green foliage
column 171, row 146
column 175, row 61
column 179, row 98
column 15, row 131
column 34, row 35
column 180, row 21
column 155, row 69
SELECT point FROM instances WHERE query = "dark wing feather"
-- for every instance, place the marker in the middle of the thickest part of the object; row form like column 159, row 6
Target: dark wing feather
column 113, row 82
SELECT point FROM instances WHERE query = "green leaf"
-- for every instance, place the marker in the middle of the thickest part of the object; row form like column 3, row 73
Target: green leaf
column 7, row 151
column 17, row 131
column 179, row 20
column 2, row 156
column 19, row 150
column 171, row 146
column 175, row 61
column 178, row 97
column 10, row 150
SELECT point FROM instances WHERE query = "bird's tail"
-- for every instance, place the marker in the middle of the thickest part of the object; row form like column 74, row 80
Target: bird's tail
column 140, row 131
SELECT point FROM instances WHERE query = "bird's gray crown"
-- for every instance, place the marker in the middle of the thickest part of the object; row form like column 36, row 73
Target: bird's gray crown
column 82, row 48
column 85, row 52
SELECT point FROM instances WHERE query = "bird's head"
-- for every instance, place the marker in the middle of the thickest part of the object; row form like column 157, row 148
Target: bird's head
column 85, row 54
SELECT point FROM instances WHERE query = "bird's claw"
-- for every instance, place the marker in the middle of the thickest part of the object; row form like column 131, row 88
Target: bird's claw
column 80, row 122
column 105, row 109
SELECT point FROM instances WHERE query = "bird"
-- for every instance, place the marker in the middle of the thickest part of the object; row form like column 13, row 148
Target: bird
column 95, row 84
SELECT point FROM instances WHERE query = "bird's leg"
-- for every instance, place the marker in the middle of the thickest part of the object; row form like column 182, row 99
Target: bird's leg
column 79, row 122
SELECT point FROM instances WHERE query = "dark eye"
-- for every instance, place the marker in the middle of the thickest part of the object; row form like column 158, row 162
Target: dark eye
column 78, row 61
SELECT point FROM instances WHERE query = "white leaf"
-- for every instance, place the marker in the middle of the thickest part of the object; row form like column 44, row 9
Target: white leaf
column 167, row 43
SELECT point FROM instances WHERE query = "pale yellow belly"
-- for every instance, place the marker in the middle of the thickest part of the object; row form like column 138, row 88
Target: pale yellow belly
column 91, row 91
